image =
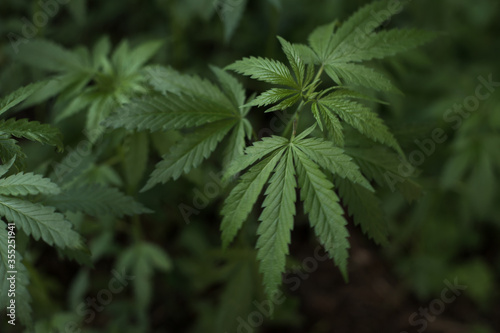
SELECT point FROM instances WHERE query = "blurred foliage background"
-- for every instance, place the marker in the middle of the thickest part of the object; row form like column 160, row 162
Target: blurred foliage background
column 183, row 281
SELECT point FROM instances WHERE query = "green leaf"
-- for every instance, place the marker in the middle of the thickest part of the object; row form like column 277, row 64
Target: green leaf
column 96, row 200
column 33, row 130
column 81, row 256
column 361, row 118
column 322, row 205
column 141, row 260
column 366, row 209
column 166, row 79
column 40, row 222
column 267, row 70
column 141, row 54
column 27, row 183
column 240, row 201
column 297, row 64
column 75, row 105
column 101, row 51
column 189, row 153
column 99, row 110
column 10, row 150
column 135, row 160
column 321, row 41
column 231, row 87
column 306, row 54
column 67, row 86
column 387, row 169
column 332, row 123
column 22, row 296
column 285, row 97
column 230, row 13
column 4, row 168
column 47, row 55
column 359, row 76
column 236, row 143
column 353, row 29
column 13, row 99
column 304, row 133
column 333, row 159
column 272, row 96
column 71, row 168
column 386, row 43
column 317, row 115
column 161, row 113
column 277, row 223
column 253, row 153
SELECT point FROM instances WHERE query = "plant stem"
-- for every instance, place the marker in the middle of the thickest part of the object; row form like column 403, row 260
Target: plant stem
column 292, row 123
column 316, row 78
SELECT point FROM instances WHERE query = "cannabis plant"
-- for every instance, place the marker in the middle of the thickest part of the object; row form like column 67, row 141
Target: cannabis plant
column 340, row 155
column 37, row 206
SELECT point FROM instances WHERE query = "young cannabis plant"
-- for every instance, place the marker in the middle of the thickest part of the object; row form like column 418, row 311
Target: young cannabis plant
column 355, row 149
column 187, row 102
column 36, row 205
column 286, row 163
column 91, row 80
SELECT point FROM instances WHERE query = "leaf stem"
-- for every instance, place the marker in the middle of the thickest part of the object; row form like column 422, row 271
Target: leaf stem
column 316, row 78
column 292, row 123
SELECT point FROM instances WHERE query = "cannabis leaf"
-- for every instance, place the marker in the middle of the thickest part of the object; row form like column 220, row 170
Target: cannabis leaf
column 267, row 70
column 93, row 80
column 358, row 116
column 240, row 201
column 338, row 50
column 386, row 169
column 277, row 222
column 141, row 260
column 366, row 209
column 325, row 213
column 296, row 79
column 95, row 200
column 190, row 152
column 333, row 159
column 23, row 128
column 32, row 130
column 27, row 183
column 40, row 222
column 189, row 102
column 18, row 96
column 166, row 112
column 284, row 165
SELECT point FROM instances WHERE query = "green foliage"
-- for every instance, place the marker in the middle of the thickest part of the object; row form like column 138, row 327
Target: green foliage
column 95, row 200
column 338, row 49
column 18, row 96
column 310, row 124
column 140, row 260
column 187, row 102
column 42, row 221
column 211, row 112
column 334, row 52
column 32, row 130
column 92, row 80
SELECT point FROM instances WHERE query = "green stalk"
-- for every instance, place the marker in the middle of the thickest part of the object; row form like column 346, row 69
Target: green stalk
column 292, row 124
